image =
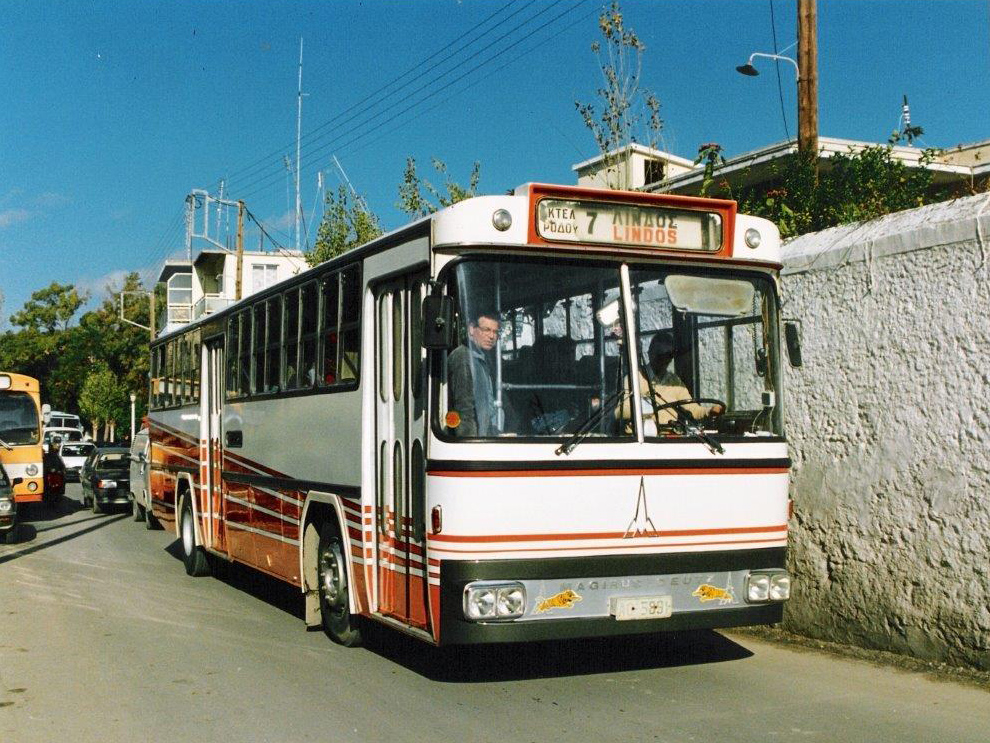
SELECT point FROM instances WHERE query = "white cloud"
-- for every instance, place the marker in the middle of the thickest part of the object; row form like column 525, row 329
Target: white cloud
column 10, row 217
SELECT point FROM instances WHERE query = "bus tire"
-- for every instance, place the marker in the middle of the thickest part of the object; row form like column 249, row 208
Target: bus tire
column 136, row 510
column 193, row 556
column 331, row 572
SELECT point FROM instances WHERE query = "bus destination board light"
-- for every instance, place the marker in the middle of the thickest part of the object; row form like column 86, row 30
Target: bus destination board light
column 640, row 225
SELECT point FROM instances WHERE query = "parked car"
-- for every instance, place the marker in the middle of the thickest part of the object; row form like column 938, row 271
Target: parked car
column 59, row 436
column 105, row 478
column 140, row 468
column 8, row 507
column 73, row 454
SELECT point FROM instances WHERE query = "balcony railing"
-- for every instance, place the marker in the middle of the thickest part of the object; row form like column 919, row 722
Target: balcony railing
column 210, row 303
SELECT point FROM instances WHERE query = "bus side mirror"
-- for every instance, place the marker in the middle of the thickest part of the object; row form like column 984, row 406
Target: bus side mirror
column 792, row 337
column 438, row 322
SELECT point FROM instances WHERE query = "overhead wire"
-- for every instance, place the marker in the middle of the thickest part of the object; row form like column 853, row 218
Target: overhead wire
column 265, row 161
column 367, row 131
column 780, row 87
column 367, row 117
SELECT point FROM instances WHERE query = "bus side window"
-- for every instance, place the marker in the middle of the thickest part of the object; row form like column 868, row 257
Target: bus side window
column 291, row 346
column 258, row 358
column 274, row 345
column 244, row 355
column 309, row 310
column 350, row 323
column 331, row 316
column 233, row 337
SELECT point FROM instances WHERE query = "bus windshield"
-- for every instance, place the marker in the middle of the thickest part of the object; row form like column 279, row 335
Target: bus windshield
column 541, row 352
column 18, row 418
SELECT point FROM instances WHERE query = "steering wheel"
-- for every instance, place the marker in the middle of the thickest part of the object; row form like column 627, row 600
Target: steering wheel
column 678, row 405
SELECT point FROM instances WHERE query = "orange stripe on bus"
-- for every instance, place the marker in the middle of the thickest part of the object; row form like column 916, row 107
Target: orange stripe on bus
column 602, row 535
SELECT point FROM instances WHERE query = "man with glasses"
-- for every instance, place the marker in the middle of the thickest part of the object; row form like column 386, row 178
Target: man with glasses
column 471, row 378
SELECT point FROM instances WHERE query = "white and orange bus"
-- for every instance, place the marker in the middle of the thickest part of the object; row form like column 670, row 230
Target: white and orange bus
column 20, row 435
column 455, row 430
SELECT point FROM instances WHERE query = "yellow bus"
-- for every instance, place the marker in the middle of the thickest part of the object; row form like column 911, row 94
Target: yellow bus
column 20, row 435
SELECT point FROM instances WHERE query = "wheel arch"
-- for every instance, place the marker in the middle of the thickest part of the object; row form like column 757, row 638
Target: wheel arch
column 319, row 508
column 184, row 489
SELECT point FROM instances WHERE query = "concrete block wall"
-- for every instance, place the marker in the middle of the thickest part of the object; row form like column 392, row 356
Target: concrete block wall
column 889, row 421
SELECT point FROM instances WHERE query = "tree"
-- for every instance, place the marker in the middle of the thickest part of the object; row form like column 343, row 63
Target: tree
column 346, row 224
column 414, row 202
column 629, row 112
column 50, row 309
column 856, row 186
column 102, row 399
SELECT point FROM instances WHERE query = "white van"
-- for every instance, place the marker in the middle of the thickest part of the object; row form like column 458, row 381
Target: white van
column 140, row 469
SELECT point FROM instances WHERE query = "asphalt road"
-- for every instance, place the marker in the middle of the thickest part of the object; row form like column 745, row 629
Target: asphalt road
column 104, row 638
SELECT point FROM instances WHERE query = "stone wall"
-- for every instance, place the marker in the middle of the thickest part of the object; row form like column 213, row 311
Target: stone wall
column 889, row 420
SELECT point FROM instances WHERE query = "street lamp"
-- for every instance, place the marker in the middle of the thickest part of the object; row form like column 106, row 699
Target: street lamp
column 133, row 399
column 748, row 69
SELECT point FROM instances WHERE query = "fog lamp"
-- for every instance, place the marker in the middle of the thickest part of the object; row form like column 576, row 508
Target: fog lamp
column 501, row 220
column 757, row 587
column 780, row 587
column 32, row 486
column 494, row 601
column 753, row 238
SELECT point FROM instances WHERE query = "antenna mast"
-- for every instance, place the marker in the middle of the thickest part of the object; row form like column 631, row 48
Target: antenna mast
column 298, row 142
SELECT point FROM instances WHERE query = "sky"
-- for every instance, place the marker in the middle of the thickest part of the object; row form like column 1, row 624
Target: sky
column 112, row 112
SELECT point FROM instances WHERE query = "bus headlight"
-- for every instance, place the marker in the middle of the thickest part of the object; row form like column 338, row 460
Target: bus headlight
column 32, row 486
column 768, row 586
column 753, row 238
column 31, row 470
column 502, row 220
column 494, row 601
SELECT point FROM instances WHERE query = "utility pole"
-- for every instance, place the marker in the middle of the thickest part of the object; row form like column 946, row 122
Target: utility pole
column 240, row 250
column 298, row 142
column 807, row 34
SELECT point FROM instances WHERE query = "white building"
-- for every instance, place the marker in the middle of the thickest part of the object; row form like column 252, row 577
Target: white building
column 208, row 283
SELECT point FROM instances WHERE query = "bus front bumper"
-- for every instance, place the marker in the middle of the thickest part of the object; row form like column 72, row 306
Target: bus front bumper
column 571, row 598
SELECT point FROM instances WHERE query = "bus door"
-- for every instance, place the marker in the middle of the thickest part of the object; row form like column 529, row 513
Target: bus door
column 213, row 415
column 400, row 508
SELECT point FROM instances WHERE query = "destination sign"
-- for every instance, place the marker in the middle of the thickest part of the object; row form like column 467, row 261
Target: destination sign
column 611, row 223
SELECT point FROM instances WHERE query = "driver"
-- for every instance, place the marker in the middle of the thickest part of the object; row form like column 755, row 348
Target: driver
column 659, row 384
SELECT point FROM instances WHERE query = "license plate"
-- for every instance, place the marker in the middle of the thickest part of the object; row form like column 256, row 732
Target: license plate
column 642, row 607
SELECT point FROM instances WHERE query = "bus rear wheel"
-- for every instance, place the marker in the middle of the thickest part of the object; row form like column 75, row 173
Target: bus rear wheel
column 193, row 556
column 338, row 622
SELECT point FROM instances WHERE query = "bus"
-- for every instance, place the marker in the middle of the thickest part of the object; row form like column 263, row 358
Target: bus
column 20, row 435
column 454, row 430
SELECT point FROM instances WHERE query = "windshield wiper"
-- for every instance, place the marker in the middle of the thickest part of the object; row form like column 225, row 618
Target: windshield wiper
column 6, row 446
column 690, row 427
column 585, row 429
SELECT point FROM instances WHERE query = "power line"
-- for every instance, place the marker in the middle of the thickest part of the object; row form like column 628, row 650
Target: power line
column 780, row 88
column 265, row 161
column 312, row 149
column 263, row 183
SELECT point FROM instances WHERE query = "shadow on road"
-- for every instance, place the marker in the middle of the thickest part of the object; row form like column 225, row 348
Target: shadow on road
column 479, row 664
column 272, row 591
column 28, row 532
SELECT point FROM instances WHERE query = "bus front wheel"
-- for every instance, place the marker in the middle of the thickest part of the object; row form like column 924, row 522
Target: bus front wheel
column 193, row 556
column 338, row 622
